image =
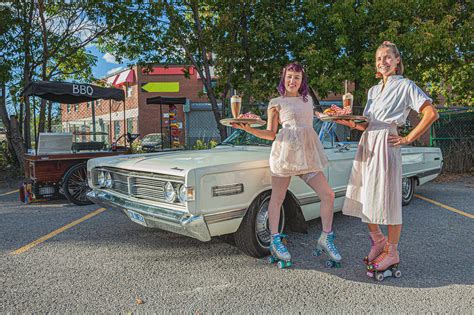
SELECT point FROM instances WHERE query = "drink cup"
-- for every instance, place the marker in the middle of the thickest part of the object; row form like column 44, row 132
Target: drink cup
column 235, row 104
column 347, row 100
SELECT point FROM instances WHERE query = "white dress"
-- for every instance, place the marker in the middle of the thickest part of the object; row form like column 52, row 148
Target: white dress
column 374, row 192
column 297, row 149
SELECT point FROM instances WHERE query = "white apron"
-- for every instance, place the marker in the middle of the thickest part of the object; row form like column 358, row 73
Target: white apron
column 374, row 193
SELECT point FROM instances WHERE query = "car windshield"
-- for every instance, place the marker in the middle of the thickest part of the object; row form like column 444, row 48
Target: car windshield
column 240, row 137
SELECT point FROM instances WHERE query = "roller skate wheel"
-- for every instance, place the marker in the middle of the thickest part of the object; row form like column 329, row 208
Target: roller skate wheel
column 370, row 274
column 337, row 265
column 330, row 264
column 397, row 274
column 281, row 264
column 379, row 277
column 317, row 252
column 270, row 260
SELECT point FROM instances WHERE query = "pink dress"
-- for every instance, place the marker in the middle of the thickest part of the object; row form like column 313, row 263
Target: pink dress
column 296, row 149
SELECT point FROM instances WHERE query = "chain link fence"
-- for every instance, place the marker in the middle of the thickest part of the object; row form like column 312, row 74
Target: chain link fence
column 453, row 132
column 94, row 126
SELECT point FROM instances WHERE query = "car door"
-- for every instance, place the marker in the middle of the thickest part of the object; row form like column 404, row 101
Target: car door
column 341, row 156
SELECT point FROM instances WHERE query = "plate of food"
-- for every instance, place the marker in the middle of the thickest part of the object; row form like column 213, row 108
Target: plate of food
column 248, row 118
column 355, row 118
column 337, row 113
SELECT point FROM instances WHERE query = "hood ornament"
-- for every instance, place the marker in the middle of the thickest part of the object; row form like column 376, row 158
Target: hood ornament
column 177, row 169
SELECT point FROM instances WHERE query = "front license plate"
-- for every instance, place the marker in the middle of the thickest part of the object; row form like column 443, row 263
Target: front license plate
column 136, row 217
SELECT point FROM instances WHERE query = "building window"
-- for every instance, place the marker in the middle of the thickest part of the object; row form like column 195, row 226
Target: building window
column 129, row 91
column 89, row 105
column 68, row 108
column 130, row 125
column 76, row 107
column 117, row 129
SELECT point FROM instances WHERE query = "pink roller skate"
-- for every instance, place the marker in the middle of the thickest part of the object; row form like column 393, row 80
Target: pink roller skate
column 377, row 241
column 386, row 264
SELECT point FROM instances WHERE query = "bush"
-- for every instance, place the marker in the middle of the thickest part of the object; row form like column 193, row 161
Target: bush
column 202, row 145
column 137, row 147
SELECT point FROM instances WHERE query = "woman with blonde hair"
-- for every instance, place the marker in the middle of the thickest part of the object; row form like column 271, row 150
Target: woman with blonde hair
column 374, row 192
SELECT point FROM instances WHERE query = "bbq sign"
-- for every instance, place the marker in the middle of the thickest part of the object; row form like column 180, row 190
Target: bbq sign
column 82, row 89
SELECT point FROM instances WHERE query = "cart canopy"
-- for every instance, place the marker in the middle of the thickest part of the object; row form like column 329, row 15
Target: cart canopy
column 72, row 93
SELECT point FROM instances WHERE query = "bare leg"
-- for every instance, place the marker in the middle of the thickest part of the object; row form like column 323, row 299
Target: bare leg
column 394, row 232
column 279, row 188
column 377, row 240
column 373, row 227
column 321, row 186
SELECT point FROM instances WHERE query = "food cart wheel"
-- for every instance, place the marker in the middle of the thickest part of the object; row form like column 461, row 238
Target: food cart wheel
column 75, row 185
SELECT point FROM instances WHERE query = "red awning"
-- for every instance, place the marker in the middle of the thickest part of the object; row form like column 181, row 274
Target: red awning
column 111, row 80
column 127, row 76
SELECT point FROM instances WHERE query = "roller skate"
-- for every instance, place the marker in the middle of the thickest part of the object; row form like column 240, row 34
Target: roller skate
column 326, row 246
column 279, row 252
column 377, row 241
column 386, row 264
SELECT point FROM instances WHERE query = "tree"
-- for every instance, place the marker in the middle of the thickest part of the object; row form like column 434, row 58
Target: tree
column 45, row 42
column 434, row 39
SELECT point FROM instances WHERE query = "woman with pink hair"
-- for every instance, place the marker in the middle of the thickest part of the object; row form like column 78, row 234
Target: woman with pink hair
column 374, row 193
column 296, row 150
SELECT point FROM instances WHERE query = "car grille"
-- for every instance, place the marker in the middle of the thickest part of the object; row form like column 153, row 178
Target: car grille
column 142, row 185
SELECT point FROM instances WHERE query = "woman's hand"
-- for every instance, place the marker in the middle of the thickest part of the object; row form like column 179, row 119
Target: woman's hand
column 348, row 123
column 395, row 140
column 244, row 126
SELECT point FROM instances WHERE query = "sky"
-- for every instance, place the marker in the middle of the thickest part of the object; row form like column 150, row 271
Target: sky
column 106, row 63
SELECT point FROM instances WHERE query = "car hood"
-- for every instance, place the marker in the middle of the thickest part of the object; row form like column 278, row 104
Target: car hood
column 180, row 162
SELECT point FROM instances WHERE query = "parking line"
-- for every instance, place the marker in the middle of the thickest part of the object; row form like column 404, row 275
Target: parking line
column 9, row 193
column 446, row 207
column 56, row 232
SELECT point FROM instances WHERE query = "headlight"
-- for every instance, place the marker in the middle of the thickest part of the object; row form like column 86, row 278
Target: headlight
column 182, row 193
column 185, row 193
column 170, row 193
column 108, row 180
column 101, row 179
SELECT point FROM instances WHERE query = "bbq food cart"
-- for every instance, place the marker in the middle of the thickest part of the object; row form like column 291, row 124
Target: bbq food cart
column 58, row 164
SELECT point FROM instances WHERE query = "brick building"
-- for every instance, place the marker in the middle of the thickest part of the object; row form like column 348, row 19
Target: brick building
column 136, row 116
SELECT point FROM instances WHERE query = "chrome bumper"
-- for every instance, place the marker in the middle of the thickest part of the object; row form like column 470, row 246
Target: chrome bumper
column 156, row 217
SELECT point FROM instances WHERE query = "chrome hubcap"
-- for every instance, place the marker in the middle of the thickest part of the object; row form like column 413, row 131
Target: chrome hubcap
column 262, row 230
column 406, row 187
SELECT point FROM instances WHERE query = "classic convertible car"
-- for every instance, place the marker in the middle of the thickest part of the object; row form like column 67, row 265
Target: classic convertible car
column 226, row 190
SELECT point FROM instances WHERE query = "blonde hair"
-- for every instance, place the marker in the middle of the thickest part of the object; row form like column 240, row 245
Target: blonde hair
column 393, row 48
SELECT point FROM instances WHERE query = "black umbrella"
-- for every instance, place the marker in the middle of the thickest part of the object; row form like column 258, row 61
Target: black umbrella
column 72, row 93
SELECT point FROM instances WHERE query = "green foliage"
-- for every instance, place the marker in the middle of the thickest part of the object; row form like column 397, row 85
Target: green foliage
column 202, row 145
column 137, row 147
column 434, row 37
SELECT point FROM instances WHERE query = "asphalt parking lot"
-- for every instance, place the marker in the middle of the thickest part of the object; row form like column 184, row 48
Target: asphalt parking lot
column 106, row 263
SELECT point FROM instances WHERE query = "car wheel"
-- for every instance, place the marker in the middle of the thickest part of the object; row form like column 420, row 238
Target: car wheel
column 75, row 186
column 408, row 190
column 253, row 235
